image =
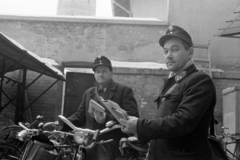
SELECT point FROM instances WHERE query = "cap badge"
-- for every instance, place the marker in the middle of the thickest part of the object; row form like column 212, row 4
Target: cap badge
column 99, row 56
column 170, row 29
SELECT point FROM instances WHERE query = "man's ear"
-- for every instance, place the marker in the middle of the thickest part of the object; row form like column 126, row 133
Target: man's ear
column 191, row 51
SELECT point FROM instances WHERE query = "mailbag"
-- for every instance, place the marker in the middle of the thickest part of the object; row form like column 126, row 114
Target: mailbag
column 216, row 143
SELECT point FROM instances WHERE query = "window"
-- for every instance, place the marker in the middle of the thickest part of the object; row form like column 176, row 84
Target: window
column 97, row 8
column 141, row 8
column 121, row 8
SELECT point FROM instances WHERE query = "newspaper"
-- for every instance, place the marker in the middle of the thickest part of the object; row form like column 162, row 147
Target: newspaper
column 111, row 106
column 115, row 110
column 93, row 105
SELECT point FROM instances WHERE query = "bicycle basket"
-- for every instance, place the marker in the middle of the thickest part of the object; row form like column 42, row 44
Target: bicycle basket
column 37, row 152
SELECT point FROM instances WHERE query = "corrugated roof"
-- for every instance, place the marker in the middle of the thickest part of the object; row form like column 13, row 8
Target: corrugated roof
column 232, row 26
column 13, row 56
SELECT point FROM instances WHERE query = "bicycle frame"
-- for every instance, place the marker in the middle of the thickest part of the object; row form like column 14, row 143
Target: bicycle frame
column 234, row 140
column 235, row 154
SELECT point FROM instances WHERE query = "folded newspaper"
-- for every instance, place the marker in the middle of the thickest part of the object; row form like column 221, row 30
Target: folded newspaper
column 113, row 108
column 93, row 105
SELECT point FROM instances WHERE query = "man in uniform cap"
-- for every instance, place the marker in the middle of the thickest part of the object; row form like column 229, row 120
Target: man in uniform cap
column 106, row 89
column 102, row 61
column 185, row 105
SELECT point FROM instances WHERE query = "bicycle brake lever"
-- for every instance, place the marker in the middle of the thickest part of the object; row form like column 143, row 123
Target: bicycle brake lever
column 109, row 129
column 24, row 127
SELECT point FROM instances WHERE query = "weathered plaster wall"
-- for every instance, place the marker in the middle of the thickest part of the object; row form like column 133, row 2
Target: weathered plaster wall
column 203, row 19
column 80, row 41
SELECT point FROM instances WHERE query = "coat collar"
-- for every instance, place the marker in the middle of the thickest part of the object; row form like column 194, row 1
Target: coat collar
column 189, row 63
column 112, row 85
column 182, row 74
column 110, row 88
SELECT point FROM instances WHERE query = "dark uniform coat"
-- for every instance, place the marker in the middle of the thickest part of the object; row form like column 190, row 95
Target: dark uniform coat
column 182, row 122
column 118, row 93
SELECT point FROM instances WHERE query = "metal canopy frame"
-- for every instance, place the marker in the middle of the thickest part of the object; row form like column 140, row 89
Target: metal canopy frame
column 232, row 27
column 13, row 56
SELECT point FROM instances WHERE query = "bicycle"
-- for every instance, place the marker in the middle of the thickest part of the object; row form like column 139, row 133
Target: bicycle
column 43, row 144
column 231, row 143
column 12, row 146
column 131, row 146
column 86, row 138
column 60, row 144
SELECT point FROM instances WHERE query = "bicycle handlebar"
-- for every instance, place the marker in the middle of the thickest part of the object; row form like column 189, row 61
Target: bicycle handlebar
column 50, row 124
column 58, row 132
column 76, row 129
column 27, row 129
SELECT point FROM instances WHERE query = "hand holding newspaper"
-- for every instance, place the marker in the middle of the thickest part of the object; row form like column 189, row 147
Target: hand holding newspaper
column 93, row 105
column 97, row 111
column 111, row 106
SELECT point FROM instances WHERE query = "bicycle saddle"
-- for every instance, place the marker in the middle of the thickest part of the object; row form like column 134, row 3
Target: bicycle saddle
column 134, row 143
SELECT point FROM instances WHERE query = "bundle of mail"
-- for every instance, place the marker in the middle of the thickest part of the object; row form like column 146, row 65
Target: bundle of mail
column 109, row 105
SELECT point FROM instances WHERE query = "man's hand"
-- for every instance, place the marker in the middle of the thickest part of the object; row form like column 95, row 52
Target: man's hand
column 99, row 116
column 129, row 126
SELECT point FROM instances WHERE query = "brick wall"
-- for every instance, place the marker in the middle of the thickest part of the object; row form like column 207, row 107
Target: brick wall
column 145, row 83
column 10, row 90
column 222, row 81
column 47, row 103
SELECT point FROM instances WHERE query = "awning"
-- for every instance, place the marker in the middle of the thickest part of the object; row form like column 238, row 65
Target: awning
column 232, row 27
column 13, row 56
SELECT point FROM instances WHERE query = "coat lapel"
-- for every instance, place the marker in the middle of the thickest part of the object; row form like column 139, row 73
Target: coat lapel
column 168, row 82
column 110, row 90
column 89, row 118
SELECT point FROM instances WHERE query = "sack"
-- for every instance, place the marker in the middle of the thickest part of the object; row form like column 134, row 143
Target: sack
column 218, row 152
column 103, row 150
column 37, row 152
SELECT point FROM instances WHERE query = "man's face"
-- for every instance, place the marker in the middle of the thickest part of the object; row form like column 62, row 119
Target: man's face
column 176, row 55
column 102, row 74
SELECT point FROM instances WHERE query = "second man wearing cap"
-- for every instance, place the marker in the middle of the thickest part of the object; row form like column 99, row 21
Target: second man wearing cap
column 107, row 89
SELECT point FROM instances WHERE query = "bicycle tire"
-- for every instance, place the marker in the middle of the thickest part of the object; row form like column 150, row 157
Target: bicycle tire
column 8, row 152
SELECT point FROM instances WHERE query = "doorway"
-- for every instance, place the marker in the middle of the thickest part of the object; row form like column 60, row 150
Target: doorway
column 77, row 82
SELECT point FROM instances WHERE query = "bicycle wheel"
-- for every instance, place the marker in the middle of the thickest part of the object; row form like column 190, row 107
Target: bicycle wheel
column 8, row 152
